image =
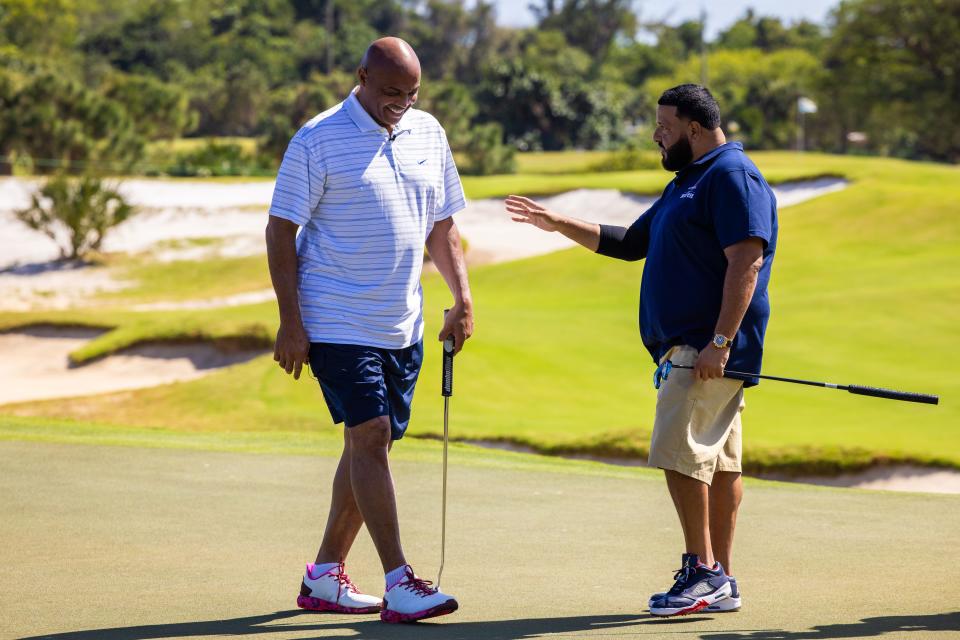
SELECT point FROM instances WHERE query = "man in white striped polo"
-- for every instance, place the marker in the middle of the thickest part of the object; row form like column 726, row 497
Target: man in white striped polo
column 372, row 182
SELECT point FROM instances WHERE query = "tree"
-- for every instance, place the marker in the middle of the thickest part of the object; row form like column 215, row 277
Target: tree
column 756, row 90
column 158, row 109
column 58, row 121
column 82, row 209
column 770, row 34
column 589, row 25
column 893, row 74
column 546, row 98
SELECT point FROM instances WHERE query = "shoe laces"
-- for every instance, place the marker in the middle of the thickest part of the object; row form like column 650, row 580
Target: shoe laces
column 418, row 585
column 681, row 577
column 344, row 580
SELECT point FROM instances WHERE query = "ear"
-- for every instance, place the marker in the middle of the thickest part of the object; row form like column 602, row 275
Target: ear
column 362, row 76
column 694, row 129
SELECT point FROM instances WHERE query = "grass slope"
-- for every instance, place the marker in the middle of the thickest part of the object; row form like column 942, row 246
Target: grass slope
column 864, row 291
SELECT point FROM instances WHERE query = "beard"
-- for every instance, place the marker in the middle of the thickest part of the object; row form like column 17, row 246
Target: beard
column 678, row 156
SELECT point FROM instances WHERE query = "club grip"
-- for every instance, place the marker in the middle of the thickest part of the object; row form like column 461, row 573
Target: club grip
column 890, row 394
column 446, row 387
column 447, row 390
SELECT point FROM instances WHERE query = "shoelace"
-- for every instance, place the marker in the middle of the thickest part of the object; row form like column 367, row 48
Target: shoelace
column 345, row 581
column 418, row 585
column 681, row 577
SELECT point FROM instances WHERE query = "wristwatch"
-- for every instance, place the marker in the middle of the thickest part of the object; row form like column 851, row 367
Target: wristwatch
column 721, row 341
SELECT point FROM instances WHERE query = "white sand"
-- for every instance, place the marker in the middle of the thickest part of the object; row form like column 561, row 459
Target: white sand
column 178, row 211
column 35, row 365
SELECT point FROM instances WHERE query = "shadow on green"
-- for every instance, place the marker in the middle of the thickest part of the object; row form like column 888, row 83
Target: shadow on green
column 495, row 630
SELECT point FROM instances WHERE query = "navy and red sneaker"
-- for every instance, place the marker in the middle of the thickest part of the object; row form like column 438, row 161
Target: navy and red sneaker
column 696, row 587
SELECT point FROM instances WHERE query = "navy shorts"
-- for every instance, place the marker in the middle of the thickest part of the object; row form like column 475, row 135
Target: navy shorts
column 362, row 383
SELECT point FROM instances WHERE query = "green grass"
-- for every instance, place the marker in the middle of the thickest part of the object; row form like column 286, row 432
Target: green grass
column 214, row 277
column 777, row 167
column 186, row 515
column 864, row 291
column 170, row 148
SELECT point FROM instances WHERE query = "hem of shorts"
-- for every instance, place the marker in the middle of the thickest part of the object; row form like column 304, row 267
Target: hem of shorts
column 393, row 433
column 696, row 472
column 738, row 469
column 379, row 414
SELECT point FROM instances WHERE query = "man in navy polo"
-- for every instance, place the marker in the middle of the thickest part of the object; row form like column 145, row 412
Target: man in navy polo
column 709, row 243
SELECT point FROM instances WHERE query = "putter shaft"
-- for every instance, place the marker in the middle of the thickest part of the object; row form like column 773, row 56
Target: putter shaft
column 443, row 517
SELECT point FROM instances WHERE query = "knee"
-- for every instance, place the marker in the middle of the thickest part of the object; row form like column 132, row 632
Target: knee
column 369, row 438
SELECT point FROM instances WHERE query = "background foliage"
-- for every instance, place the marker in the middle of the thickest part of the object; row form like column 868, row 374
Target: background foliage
column 91, row 82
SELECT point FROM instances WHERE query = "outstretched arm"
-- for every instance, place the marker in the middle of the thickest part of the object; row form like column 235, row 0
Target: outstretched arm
column 624, row 243
column 446, row 252
column 525, row 210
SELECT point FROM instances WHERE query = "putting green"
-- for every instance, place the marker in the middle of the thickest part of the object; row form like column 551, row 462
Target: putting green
column 125, row 542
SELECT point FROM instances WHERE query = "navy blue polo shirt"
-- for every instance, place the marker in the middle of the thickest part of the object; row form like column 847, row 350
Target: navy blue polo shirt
column 713, row 203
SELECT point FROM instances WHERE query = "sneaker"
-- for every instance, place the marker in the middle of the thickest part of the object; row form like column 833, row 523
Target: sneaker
column 334, row 591
column 697, row 586
column 732, row 603
column 728, row 604
column 414, row 599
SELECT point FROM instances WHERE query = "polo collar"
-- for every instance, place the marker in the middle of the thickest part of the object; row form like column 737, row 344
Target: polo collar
column 713, row 153
column 365, row 121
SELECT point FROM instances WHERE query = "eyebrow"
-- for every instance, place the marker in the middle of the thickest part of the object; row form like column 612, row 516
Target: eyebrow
column 415, row 89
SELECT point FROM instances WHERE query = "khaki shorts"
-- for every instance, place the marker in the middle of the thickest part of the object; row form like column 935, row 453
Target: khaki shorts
column 697, row 429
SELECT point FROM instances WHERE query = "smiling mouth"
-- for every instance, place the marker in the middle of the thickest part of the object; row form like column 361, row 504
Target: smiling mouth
column 394, row 111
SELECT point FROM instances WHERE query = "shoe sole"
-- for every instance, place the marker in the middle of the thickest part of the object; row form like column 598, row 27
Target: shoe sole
column 316, row 604
column 701, row 604
column 727, row 605
column 395, row 617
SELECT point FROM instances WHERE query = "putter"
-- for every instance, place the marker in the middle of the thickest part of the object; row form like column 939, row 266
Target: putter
column 447, row 391
column 876, row 392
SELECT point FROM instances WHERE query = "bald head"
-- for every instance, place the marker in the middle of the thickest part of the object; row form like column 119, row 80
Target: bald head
column 389, row 76
column 391, row 55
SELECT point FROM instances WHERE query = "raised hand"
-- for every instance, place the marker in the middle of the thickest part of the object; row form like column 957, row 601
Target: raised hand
column 526, row 210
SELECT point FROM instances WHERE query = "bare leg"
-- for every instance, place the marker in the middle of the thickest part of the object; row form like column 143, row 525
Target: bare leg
column 344, row 521
column 691, row 499
column 373, row 488
column 726, row 492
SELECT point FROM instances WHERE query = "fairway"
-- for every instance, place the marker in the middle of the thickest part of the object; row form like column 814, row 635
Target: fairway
column 863, row 289
column 113, row 543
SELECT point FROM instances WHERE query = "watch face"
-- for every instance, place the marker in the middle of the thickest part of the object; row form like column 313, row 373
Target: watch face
column 719, row 341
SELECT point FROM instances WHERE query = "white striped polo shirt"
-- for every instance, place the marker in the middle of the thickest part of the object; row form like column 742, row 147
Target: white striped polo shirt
column 366, row 204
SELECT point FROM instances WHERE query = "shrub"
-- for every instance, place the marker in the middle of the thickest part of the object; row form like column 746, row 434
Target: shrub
column 75, row 213
column 485, row 152
column 217, row 159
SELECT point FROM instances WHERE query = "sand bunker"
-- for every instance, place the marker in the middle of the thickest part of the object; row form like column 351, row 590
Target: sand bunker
column 36, row 365
column 234, row 215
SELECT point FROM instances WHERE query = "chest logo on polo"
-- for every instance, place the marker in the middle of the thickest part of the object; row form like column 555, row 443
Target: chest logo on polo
column 689, row 193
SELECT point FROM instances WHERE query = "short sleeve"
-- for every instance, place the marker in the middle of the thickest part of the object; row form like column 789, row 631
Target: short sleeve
column 451, row 198
column 299, row 184
column 742, row 207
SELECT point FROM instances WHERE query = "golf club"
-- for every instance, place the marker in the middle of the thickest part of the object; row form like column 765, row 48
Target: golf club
column 875, row 392
column 447, row 391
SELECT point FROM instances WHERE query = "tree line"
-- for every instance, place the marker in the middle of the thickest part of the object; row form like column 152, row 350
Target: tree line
column 89, row 83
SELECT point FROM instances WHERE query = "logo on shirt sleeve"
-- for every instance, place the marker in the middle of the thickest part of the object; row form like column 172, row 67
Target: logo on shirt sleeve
column 689, row 193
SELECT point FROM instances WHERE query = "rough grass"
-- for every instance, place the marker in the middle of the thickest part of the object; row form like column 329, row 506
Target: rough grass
column 864, row 291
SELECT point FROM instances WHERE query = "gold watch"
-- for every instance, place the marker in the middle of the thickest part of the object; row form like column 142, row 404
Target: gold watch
column 721, row 341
